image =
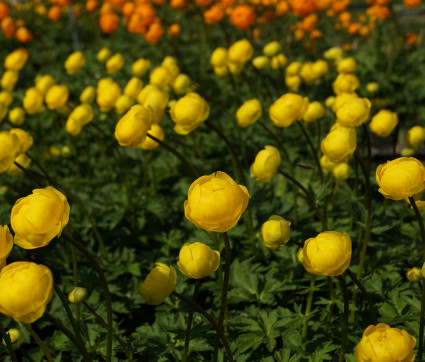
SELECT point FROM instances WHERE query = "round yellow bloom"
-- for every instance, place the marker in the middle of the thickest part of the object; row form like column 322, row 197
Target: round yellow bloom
column 219, row 57
column 240, row 52
column 271, row 49
column 182, row 84
column 276, row 232
column 149, row 143
column 16, row 338
column 341, row 171
column 329, row 253
column 56, row 96
column 278, row 61
column 9, row 79
column 23, row 161
column 132, row 128
column 33, row 101
column 154, row 98
column 123, row 103
column 103, row 55
column 383, row 123
column 249, row 112
column 341, row 99
column 293, row 82
column 6, row 98
column 216, row 202
column 140, row 67
column 17, row 116
column 235, row 68
column 414, row 274
column 73, row 127
column 334, row 53
column 6, row 243
column 266, row 164
column 159, row 284
column 320, row 67
column 383, row 343
column 346, row 65
column 198, row 260
column 372, row 87
column 115, row 63
column 307, row 72
column 36, row 219
column 326, row 164
column 345, row 83
column 44, row 82
column 400, row 178
column 221, row 71
column 261, row 62
column 16, row 60
column 74, row 62
column 314, row 112
column 329, row 102
column 88, row 95
column 287, row 109
column 340, row 143
column 189, row 113
column 25, row 290
column 293, row 68
column 77, row 295
column 354, row 112
column 82, row 114
column 9, row 148
column 160, row 76
column 415, row 137
column 24, row 137
column 107, row 94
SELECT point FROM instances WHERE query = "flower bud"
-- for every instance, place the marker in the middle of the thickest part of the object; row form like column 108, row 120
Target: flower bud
column 88, row 95
column 334, row 53
column 140, row 67
column 276, row 232
column 354, row 112
column 340, row 143
column 407, row 152
column 115, row 63
column 278, row 61
column 346, row 65
column 74, row 62
column 25, row 139
column 6, row 98
column 383, row 123
column 44, row 83
column 219, row 57
column 299, row 255
column 221, row 71
column 123, row 104
column 345, row 83
column 314, row 112
column 154, row 98
column 56, row 96
column 320, row 67
column 415, row 137
column 235, row 69
column 107, row 94
column 372, row 87
column 266, row 164
column 82, row 114
column 287, row 109
column 329, row 102
column 149, row 143
column 16, row 60
column 160, row 76
column 414, row 274
column 9, row 149
column 293, row 68
column 9, row 79
column 189, row 113
column 272, row 48
column 16, row 338
column 17, row 116
column 249, row 112
column 77, row 295
column 326, row 164
column 198, row 260
column 240, row 52
column 307, row 73
column 33, row 101
column 341, row 171
column 23, row 160
column 261, row 62
column 6, row 244
column 159, row 284
column 293, row 82
column 182, row 84
column 103, row 55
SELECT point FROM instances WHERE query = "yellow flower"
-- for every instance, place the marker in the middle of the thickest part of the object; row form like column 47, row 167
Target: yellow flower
column 400, row 178
column 249, row 112
column 261, row 62
column 198, row 260
column 107, row 94
column 123, row 103
column 182, row 84
column 3, row 111
column 341, row 99
column 73, row 127
column 346, row 65
column 44, row 82
column 329, row 253
column 278, row 61
column 219, row 57
column 383, row 343
column 154, row 98
column 33, row 101
column 341, row 171
column 329, row 102
column 340, row 143
column 103, row 55
column 326, row 164
column 271, row 49
column 216, row 202
column 159, row 284
column 160, row 76
column 293, row 68
column 16, row 60
column 9, row 149
column 36, row 219
column 266, row 164
column 77, row 295
column 24, row 137
column 293, row 82
column 414, row 274
column 334, row 53
column 115, row 63
column 132, row 128
column 82, row 114
column 17, row 116
column 133, row 87
column 25, row 290
column 314, row 112
column 56, row 96
column 240, row 52
column 189, row 113
column 16, row 338
column 307, row 72
column 6, row 98
column 372, row 87
column 140, row 67
column 9, row 79
column 23, row 160
column 149, row 143
column 345, row 83
column 353, row 112
column 88, row 95
column 320, row 67
column 221, row 71
column 235, row 68
column 74, row 62
column 415, row 137
column 6, row 244
column 383, row 123
column 276, row 232
column 287, row 109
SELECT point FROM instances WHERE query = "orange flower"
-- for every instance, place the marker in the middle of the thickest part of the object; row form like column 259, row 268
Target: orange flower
column 344, row 18
column 154, row 33
column 146, row 13
column 203, row 2
column 178, row 4
column 54, row 13
column 309, row 22
column 354, row 28
column 303, row 7
column 340, row 5
column 8, row 27
column 382, row 2
column 282, row 8
column 412, row 3
column 242, row 16
column 108, row 22
column 23, row 35
column 376, row 11
column 91, row 5
column 299, row 34
column 174, row 29
column 128, row 9
column 227, row 3
column 135, row 25
column 411, row 38
column 159, row 2
column 364, row 30
column 106, row 8
column 315, row 34
column 4, row 11
column 63, row 2
column 214, row 14
column 116, row 3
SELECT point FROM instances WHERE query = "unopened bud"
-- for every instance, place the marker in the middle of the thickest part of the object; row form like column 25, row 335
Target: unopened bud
column 77, row 295
column 414, row 274
column 16, row 338
column 300, row 256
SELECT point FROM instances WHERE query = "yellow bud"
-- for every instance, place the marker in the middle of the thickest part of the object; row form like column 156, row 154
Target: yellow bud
column 56, row 96
column 198, row 260
column 287, row 109
column 133, row 87
column 182, row 84
column 414, row 274
column 140, row 67
column 249, row 112
column 9, row 79
column 149, row 143
column 340, row 143
column 240, row 52
column 77, row 295
column 159, row 284
column 160, row 76
column 345, row 83
column 221, row 71
column 261, row 62
column 266, row 164
column 44, row 83
column 341, row 171
column 383, row 123
column 372, row 87
column 219, row 57
column 88, row 95
column 293, row 82
column 16, row 338
column 276, row 232
column 115, row 63
column 103, row 55
column 189, row 113
column 123, row 104
column 346, row 65
column 74, row 62
column 293, row 68
column 278, row 61
column 314, row 112
column 17, row 116
column 272, row 48
column 415, row 137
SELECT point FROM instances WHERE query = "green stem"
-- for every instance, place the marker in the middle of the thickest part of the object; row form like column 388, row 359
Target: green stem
column 6, row 338
column 39, row 341
column 223, row 292
column 308, row 306
column 211, row 320
column 346, row 313
column 32, row 175
column 106, row 292
column 189, row 322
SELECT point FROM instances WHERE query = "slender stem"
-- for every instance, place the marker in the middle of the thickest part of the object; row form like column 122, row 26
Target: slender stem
column 365, row 295
column 6, row 338
column 308, row 306
column 422, row 313
column 106, row 292
column 223, row 292
column 299, row 243
column 39, row 341
column 189, row 322
column 128, row 353
column 346, row 312
column 192, row 171
column 69, row 334
column 211, row 320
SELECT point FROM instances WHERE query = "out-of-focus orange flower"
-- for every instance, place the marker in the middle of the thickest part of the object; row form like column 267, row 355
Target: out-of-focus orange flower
column 412, row 3
column 381, row 2
column 159, row 2
column 344, row 18
column 242, row 16
column 411, row 38
column 266, row 17
column 76, row 9
column 8, row 27
column 106, row 8
column 309, row 22
column 227, row 3
column 147, row 14
column 178, row 4
column 315, row 34
column 91, row 5
column 323, row 4
column 135, row 24
column 214, row 14
column 354, row 28
column 154, row 33
column 19, row 23
column 54, row 13
column 380, row 12
column 117, row 3
column 108, row 22
column 299, row 34
column 330, row 13
column 364, row 30
column 347, row 47
column 361, row 18
column 203, row 2
column 63, row 2
column 340, row 5
column 128, row 9
column 4, row 10
column 23, row 35
column 282, row 8
column 174, row 29
column 303, row 7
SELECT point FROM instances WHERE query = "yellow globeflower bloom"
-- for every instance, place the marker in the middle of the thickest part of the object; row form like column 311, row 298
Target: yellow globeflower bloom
column 198, row 260
column 115, row 63
column 140, row 67
column 315, row 111
column 17, row 116
column 383, row 123
column 354, row 112
column 276, row 232
column 9, row 79
column 189, row 113
column 74, row 62
column 340, row 143
column 240, row 52
column 249, row 112
column 287, row 109
column 159, row 284
column 266, row 164
column 10, row 146
column 56, row 96
column 149, row 143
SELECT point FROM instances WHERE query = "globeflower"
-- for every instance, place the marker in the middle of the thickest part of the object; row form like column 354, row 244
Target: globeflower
column 266, row 164
column 115, row 63
column 16, row 60
column 189, row 113
column 33, row 101
column 56, row 96
column 74, row 62
column 240, row 52
column 6, row 244
column 10, row 146
column 198, row 260
column 276, row 232
column 415, row 137
column 159, row 284
column 353, row 112
column 383, row 123
column 155, row 131
column 340, row 143
column 314, row 112
column 287, row 109
column 249, row 112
